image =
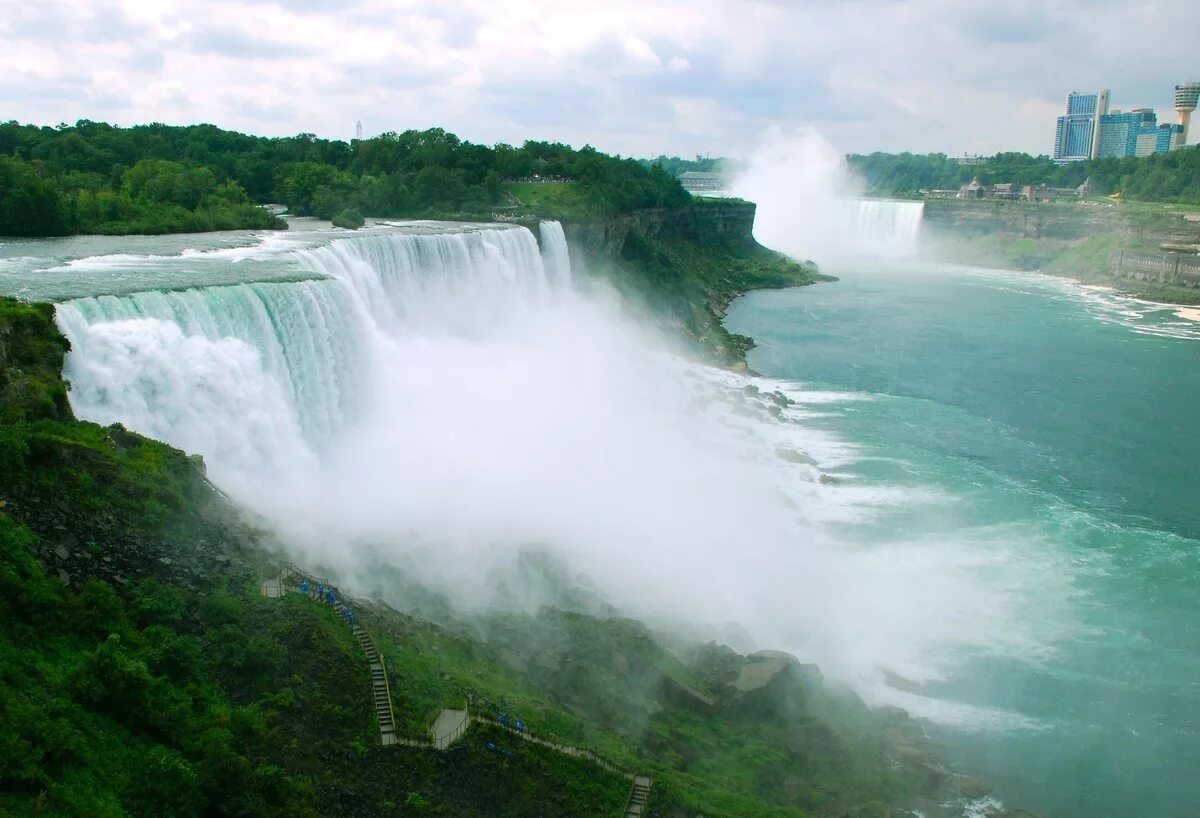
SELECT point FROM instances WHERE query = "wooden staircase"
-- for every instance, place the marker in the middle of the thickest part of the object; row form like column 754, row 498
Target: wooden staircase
column 639, row 795
column 381, row 694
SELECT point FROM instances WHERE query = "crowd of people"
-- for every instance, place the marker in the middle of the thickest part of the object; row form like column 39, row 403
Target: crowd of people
column 324, row 594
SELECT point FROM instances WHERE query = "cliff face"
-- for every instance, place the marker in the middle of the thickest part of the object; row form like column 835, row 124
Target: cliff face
column 1066, row 222
column 730, row 222
column 688, row 264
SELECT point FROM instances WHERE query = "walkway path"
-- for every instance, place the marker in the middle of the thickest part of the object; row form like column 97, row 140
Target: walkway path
column 381, row 694
column 448, row 727
column 450, row 724
column 639, row 794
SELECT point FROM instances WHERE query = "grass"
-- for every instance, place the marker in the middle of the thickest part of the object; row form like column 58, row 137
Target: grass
column 552, row 200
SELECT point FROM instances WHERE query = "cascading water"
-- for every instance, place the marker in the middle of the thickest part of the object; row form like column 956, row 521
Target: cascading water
column 555, row 256
column 256, row 376
column 883, row 227
column 812, row 207
column 442, row 401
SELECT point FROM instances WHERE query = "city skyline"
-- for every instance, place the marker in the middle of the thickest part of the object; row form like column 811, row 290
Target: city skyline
column 1091, row 128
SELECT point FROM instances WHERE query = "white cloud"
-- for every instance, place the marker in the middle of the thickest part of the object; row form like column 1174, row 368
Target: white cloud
column 871, row 74
column 639, row 51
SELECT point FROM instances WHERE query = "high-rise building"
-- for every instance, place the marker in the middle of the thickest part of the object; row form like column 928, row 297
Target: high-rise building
column 1128, row 134
column 1186, row 96
column 1078, row 133
column 1170, row 137
column 358, row 130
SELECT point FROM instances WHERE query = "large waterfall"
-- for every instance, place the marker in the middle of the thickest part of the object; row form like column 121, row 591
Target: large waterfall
column 256, row 376
column 444, row 397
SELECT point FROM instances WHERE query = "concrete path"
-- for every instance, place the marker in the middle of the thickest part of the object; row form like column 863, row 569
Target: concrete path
column 639, row 795
column 380, row 694
column 448, row 727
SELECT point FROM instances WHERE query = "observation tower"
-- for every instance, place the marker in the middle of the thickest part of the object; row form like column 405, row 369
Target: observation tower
column 1186, row 95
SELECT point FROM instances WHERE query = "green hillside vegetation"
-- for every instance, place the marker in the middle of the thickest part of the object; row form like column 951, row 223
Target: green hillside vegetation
column 692, row 282
column 144, row 674
column 96, row 178
column 1172, row 177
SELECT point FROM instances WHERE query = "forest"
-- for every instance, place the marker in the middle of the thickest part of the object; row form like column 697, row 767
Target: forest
column 92, row 177
column 1165, row 177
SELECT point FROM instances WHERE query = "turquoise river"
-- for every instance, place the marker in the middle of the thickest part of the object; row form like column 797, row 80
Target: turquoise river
column 1062, row 424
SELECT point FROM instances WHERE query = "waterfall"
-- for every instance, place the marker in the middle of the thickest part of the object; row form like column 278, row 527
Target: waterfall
column 882, row 227
column 260, row 378
column 554, row 250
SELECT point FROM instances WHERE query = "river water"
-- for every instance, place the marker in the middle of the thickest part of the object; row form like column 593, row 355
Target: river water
column 1059, row 424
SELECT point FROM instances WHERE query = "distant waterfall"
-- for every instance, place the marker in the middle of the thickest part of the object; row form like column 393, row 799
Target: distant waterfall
column 259, row 378
column 882, row 227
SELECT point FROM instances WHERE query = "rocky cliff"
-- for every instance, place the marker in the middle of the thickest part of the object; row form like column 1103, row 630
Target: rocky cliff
column 724, row 220
column 1061, row 221
column 688, row 264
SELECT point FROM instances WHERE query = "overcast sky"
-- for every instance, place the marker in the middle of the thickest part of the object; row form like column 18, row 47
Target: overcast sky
column 638, row 77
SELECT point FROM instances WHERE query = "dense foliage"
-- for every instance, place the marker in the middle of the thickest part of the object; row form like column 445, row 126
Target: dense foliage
column 94, row 177
column 1167, row 177
column 676, row 165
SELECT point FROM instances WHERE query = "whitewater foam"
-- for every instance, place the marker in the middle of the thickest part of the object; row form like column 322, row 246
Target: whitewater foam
column 446, row 400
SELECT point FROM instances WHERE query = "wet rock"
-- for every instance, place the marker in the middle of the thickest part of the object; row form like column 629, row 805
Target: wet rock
column 794, row 456
column 750, row 390
column 64, row 577
column 762, row 668
column 972, row 787
column 61, row 552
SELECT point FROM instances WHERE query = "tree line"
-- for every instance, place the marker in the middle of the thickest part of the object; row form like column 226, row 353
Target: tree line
column 95, row 177
column 1172, row 177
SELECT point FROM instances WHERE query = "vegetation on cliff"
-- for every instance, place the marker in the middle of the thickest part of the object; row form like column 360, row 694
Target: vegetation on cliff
column 689, row 264
column 94, row 177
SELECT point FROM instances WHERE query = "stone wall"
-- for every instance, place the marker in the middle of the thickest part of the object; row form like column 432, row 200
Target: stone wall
column 1165, row 268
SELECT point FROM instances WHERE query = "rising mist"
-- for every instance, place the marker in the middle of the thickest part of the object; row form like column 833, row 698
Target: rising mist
column 445, row 403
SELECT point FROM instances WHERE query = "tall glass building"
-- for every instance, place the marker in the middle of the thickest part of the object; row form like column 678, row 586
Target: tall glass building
column 1078, row 133
column 1128, row 134
column 1170, row 136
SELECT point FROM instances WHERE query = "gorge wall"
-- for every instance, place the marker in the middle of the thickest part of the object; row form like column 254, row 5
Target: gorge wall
column 688, row 264
column 1146, row 250
column 1066, row 222
column 704, row 221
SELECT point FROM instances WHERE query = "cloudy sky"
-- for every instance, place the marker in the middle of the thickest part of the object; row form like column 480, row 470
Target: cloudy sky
column 639, row 77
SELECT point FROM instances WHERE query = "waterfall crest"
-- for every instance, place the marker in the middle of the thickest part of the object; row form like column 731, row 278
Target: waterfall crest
column 884, row 227
column 256, row 376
